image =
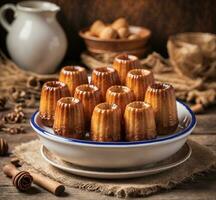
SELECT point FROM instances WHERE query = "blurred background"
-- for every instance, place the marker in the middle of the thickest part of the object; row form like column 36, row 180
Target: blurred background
column 163, row 18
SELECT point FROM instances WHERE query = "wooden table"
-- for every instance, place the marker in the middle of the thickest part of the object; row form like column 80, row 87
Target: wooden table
column 203, row 187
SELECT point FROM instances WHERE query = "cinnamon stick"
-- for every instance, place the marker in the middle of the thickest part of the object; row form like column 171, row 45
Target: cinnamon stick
column 48, row 184
column 22, row 180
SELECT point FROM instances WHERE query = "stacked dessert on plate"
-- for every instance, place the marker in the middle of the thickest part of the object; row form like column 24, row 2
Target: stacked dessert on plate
column 119, row 103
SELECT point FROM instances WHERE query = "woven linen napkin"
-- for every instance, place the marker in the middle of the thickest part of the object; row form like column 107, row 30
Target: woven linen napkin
column 201, row 160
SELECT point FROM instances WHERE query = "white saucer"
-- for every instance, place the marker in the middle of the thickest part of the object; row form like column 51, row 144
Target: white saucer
column 178, row 158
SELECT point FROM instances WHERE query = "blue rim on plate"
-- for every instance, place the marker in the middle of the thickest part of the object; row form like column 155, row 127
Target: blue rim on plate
column 45, row 133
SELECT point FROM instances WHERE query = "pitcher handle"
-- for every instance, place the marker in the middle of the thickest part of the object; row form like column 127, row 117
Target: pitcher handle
column 3, row 19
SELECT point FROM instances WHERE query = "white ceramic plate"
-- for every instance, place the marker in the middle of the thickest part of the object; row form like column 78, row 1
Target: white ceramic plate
column 178, row 158
column 115, row 155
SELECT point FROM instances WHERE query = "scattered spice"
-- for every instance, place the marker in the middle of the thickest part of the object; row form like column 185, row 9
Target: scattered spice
column 2, row 124
column 3, row 101
column 13, row 130
column 3, row 147
column 33, row 83
column 16, row 116
column 15, row 161
column 30, row 103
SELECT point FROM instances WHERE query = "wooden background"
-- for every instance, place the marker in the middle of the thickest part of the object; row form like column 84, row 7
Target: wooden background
column 201, row 188
column 163, row 17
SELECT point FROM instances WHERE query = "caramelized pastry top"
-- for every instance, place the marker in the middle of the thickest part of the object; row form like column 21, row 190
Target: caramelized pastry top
column 139, row 121
column 120, row 95
column 138, row 80
column 126, row 58
column 90, row 96
column 104, row 71
column 87, row 88
column 69, row 118
column 72, row 69
column 52, row 91
column 73, row 76
column 103, row 78
column 106, row 123
column 139, row 72
column 55, row 85
column 161, row 96
column 123, row 64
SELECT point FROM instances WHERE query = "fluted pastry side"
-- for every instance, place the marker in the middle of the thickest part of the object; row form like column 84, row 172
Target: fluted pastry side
column 73, row 76
column 106, row 123
column 51, row 92
column 138, row 80
column 69, row 118
column 104, row 78
column 161, row 97
column 139, row 121
column 123, row 64
column 120, row 95
column 90, row 96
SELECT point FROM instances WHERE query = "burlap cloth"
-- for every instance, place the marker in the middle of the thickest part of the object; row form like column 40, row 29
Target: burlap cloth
column 201, row 160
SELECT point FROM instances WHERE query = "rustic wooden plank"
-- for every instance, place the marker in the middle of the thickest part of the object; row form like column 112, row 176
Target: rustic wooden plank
column 206, row 124
column 204, row 139
column 202, row 188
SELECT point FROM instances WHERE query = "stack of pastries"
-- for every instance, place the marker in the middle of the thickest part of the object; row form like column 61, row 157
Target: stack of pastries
column 120, row 103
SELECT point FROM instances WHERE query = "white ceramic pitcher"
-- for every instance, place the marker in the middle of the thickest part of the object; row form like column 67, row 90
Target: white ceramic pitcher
column 35, row 39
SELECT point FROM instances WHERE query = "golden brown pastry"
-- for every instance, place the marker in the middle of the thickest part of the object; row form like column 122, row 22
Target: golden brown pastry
column 97, row 27
column 104, row 78
column 106, row 123
column 90, row 96
column 123, row 32
column 139, row 121
column 119, row 23
column 161, row 96
column 108, row 33
column 138, row 80
column 123, row 64
column 73, row 76
column 134, row 36
column 89, row 34
column 120, row 95
column 69, row 118
column 51, row 92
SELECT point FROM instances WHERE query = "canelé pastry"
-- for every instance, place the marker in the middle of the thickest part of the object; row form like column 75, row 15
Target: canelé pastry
column 139, row 121
column 120, row 95
column 69, row 118
column 51, row 92
column 106, row 123
column 161, row 97
column 104, row 78
column 138, row 80
column 123, row 64
column 90, row 96
column 73, row 76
